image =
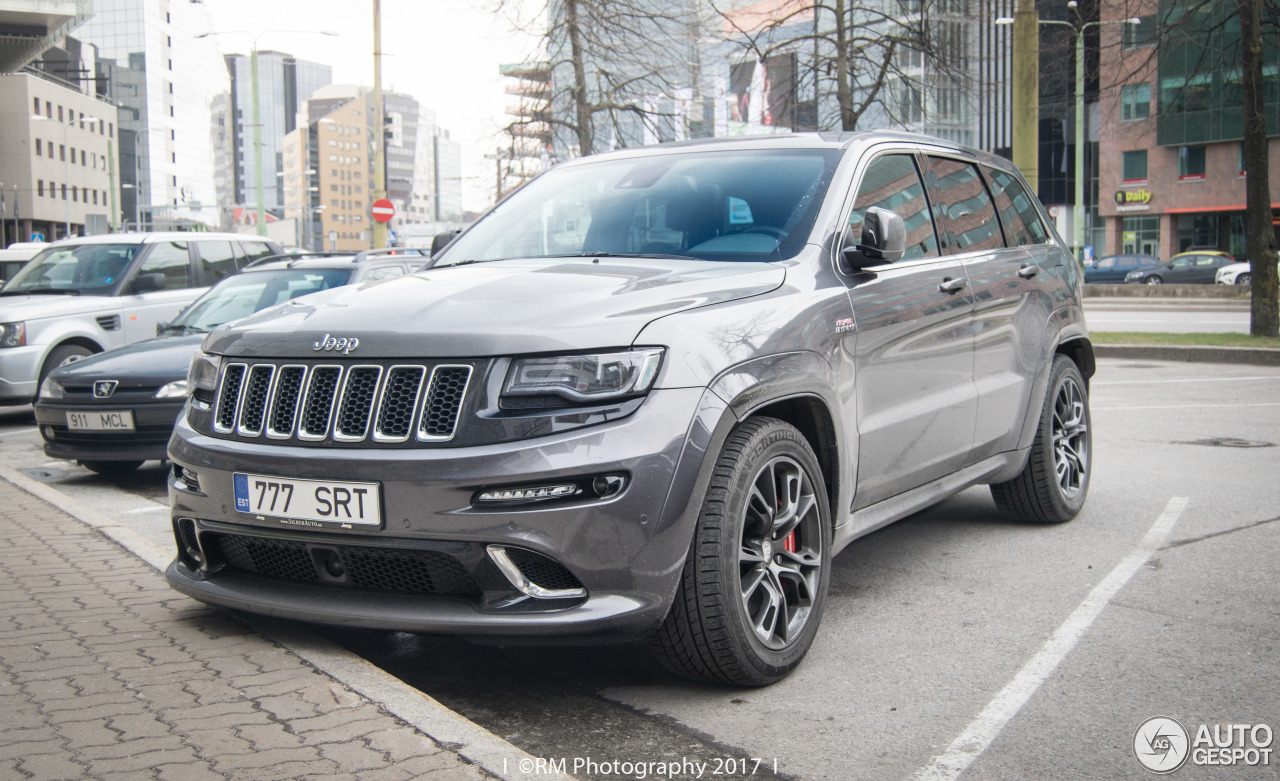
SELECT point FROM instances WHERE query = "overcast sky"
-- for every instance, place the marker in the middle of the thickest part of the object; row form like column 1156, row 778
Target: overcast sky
column 445, row 54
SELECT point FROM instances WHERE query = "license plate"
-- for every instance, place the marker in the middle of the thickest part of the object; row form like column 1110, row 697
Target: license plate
column 309, row 502
column 105, row 420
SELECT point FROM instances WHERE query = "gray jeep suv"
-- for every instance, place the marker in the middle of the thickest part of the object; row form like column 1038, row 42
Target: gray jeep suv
column 652, row 393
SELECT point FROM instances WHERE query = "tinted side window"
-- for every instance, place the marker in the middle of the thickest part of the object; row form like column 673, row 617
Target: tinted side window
column 171, row 259
column 965, row 200
column 255, row 249
column 892, row 182
column 217, row 260
column 1021, row 219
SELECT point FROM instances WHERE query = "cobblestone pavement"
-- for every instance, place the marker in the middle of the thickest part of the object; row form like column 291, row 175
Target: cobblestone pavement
column 105, row 673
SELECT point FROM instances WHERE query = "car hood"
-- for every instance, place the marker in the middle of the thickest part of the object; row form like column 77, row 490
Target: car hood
column 14, row 308
column 148, row 363
column 495, row 308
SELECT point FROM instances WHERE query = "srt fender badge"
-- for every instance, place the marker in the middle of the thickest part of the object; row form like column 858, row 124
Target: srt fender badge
column 844, row 325
column 344, row 345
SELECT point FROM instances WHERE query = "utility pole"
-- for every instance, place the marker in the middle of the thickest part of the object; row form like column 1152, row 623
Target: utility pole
column 379, row 161
column 1026, row 92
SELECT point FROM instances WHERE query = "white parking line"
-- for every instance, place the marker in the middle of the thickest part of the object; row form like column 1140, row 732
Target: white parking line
column 1180, row 382
column 1188, row 406
column 983, row 730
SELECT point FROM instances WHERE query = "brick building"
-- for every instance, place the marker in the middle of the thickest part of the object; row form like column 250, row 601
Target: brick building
column 1171, row 166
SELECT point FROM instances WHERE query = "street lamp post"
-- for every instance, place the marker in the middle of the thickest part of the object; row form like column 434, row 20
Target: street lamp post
column 1078, row 27
column 257, row 112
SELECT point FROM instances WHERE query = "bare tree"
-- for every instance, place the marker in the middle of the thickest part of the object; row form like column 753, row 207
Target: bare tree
column 615, row 67
column 872, row 55
column 1202, row 34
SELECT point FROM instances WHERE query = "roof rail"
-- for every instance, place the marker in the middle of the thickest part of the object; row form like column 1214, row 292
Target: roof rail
column 292, row 256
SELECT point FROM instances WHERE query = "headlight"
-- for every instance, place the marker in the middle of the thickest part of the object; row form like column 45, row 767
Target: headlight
column 51, row 389
column 13, row 334
column 175, row 390
column 591, row 378
column 202, row 374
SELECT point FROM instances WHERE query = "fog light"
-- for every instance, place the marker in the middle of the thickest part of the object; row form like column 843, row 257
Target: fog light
column 608, row 485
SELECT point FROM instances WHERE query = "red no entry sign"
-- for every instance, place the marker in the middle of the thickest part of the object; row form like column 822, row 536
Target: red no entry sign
column 383, row 210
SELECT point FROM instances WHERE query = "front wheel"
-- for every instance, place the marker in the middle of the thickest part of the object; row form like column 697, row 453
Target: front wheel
column 1244, row 279
column 1052, row 486
column 753, row 586
column 1154, row 280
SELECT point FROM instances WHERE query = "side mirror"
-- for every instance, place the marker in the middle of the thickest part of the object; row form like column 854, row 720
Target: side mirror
column 884, row 240
column 160, row 326
column 146, row 283
column 442, row 240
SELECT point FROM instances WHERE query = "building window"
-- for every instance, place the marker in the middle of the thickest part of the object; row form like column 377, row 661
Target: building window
column 62, row 152
column 1135, row 166
column 1239, row 156
column 40, row 149
column 1190, row 163
column 1141, row 34
column 59, row 113
column 95, row 197
column 37, row 105
column 1140, row 235
column 83, row 158
column 64, row 192
column 75, row 194
column 1135, row 101
column 40, row 187
column 49, row 146
column 48, row 109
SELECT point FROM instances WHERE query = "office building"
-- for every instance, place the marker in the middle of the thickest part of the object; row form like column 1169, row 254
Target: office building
column 165, row 81
column 1172, row 172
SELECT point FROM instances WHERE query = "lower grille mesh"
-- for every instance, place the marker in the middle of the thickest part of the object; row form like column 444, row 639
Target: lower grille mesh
column 542, row 571
column 376, row 569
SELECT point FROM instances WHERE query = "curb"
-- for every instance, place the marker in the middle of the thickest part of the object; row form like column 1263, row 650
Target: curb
column 445, row 727
column 1254, row 356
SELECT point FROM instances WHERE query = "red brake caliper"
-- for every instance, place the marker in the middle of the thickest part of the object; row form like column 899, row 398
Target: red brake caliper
column 789, row 542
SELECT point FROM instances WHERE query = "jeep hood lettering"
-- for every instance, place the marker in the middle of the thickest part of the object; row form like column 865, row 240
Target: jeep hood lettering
column 497, row 308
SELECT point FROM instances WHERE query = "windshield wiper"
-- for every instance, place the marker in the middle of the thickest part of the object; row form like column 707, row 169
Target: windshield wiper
column 643, row 255
column 42, row 291
column 183, row 330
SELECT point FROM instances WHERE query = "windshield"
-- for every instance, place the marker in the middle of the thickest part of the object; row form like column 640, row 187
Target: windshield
column 90, row 269
column 737, row 206
column 243, row 294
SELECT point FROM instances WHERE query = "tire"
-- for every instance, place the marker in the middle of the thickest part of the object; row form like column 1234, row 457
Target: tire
column 1244, row 279
column 61, row 356
column 1053, row 485
column 1154, row 280
column 111, row 467
column 756, row 556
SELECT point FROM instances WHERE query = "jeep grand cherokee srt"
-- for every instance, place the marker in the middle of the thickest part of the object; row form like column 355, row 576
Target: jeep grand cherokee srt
column 652, row 393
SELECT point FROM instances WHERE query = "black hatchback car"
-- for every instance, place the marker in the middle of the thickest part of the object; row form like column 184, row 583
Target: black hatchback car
column 114, row 410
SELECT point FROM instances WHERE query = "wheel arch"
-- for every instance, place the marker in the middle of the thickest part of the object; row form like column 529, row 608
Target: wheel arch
column 70, row 341
column 1080, row 350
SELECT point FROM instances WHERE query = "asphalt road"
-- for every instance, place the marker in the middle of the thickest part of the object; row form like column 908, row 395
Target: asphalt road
column 953, row 640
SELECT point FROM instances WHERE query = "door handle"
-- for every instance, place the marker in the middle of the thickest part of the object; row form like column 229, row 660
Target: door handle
column 1028, row 271
column 950, row 285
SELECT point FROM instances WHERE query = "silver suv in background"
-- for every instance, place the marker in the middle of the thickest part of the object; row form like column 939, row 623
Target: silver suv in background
column 80, row 296
column 650, row 394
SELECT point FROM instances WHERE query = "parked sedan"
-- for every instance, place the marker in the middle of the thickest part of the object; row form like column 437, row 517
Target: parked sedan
column 1236, row 274
column 1114, row 268
column 1195, row 267
column 114, row 410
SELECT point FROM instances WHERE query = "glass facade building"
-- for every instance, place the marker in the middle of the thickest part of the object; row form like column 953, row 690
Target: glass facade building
column 284, row 86
column 165, row 81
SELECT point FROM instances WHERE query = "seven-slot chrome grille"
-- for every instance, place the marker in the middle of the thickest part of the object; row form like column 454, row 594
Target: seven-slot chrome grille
column 391, row 403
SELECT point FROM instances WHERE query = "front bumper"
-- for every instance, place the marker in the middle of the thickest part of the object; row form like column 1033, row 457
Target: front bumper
column 428, row 568
column 19, row 368
column 153, row 425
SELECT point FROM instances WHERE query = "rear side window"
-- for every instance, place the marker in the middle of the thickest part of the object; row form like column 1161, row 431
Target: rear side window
column 255, row 249
column 892, row 182
column 1021, row 220
column 217, row 260
column 965, row 201
column 171, row 259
